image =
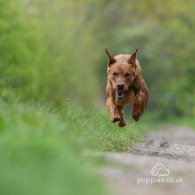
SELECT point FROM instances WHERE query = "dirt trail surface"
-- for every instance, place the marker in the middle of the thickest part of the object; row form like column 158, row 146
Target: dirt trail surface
column 163, row 164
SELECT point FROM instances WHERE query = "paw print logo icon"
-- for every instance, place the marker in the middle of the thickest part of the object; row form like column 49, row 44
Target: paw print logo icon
column 159, row 170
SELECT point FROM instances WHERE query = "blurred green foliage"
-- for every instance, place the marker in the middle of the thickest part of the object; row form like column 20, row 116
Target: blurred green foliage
column 46, row 152
column 40, row 154
column 53, row 50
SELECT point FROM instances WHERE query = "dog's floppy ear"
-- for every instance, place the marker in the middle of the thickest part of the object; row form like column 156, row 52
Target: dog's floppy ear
column 132, row 59
column 111, row 59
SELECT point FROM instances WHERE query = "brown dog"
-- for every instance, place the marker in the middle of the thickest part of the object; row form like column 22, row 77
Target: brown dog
column 125, row 85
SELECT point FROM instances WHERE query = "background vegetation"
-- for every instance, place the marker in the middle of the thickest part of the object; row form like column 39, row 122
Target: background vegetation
column 50, row 51
column 54, row 50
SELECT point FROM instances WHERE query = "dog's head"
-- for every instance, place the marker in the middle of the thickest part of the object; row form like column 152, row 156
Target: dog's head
column 121, row 72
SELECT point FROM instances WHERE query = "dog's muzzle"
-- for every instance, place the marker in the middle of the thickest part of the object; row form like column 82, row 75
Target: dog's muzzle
column 120, row 91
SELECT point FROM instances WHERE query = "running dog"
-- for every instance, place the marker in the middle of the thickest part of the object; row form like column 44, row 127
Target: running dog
column 125, row 85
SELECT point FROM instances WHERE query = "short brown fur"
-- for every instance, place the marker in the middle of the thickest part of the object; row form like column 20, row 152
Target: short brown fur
column 125, row 70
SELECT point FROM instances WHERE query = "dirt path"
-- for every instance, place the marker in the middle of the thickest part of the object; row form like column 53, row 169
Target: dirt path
column 171, row 149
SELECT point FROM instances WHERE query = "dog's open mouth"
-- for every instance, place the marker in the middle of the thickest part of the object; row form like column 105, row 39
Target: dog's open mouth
column 119, row 94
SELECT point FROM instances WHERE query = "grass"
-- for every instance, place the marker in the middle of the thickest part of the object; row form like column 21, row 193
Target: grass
column 42, row 150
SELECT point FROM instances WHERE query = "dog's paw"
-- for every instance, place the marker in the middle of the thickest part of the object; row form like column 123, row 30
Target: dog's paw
column 116, row 119
column 122, row 123
column 136, row 117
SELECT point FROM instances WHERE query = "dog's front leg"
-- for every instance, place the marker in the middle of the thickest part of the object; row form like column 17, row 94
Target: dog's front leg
column 136, row 107
column 113, row 110
column 122, row 122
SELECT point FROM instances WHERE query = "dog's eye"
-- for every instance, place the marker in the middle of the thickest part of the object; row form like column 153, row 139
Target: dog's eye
column 114, row 73
column 127, row 74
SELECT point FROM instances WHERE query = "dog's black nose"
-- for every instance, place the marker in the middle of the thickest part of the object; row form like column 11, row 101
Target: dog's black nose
column 120, row 85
